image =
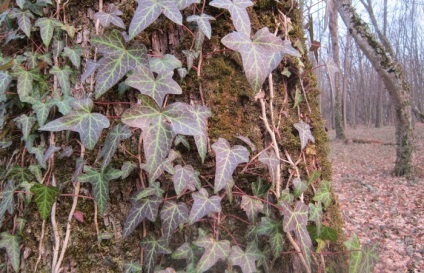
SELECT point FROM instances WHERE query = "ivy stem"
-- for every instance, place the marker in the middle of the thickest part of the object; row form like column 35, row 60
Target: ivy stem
column 40, row 245
column 55, row 231
column 297, row 248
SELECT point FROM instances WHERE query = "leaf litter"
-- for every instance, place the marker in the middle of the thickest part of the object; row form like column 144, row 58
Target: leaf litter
column 376, row 206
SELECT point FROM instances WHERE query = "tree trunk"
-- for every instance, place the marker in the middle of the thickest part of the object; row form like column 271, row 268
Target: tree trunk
column 394, row 81
column 340, row 134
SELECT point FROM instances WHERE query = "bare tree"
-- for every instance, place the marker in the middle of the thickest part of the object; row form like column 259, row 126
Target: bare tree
column 394, row 80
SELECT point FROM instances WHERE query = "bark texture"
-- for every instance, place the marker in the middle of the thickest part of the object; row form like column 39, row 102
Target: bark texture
column 394, row 80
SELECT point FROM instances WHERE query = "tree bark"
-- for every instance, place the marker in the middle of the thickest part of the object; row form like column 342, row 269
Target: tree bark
column 394, row 80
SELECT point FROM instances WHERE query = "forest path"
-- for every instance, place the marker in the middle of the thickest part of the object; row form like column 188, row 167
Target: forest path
column 377, row 207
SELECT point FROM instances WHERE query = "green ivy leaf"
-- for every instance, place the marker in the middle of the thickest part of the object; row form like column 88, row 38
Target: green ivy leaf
column 100, row 183
column 185, row 178
column 238, row 12
column 259, row 188
column 189, row 252
column 132, row 268
column 369, row 258
column 227, row 159
column 324, row 233
column 315, row 215
column 5, row 80
column 64, row 104
column 203, row 205
column 273, row 230
column 39, row 155
column 24, row 20
column 116, row 135
column 20, row 174
column 149, row 10
column 203, row 23
column 153, row 247
column 88, row 125
column 127, row 168
column 117, row 60
column 355, row 256
column 112, row 17
column 323, row 194
column 305, row 133
column 74, row 54
column 11, row 244
column 42, row 110
column 25, row 123
column 164, row 63
column 7, row 203
column 144, row 81
column 172, row 215
column 252, row 207
column 153, row 189
column 47, row 26
column 32, row 59
column 25, row 80
column 140, row 210
column 246, row 259
column 299, row 186
column 63, row 78
column 214, row 251
column 44, row 197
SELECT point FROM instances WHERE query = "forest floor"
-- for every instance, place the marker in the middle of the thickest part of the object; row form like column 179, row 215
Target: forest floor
column 376, row 206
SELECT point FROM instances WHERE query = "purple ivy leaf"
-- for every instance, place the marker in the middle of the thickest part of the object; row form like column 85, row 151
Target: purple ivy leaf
column 63, row 78
column 11, row 244
column 185, row 178
column 153, row 189
column 166, row 165
column 238, row 12
column 5, row 80
column 259, row 55
column 183, row 119
column 246, row 259
column 252, row 207
column 149, row 10
column 7, row 203
column 305, row 133
column 140, row 210
column 203, row 23
column 153, row 247
column 202, row 114
column 117, row 60
column 50, row 151
column 164, row 64
column 112, row 17
column 214, row 251
column 172, row 215
column 191, row 55
column 100, row 183
column 270, row 159
column 227, row 159
column 182, row 4
column 144, row 81
column 88, row 125
column 90, row 68
column 203, row 205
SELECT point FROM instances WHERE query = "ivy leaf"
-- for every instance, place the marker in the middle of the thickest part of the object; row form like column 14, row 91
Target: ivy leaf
column 201, row 114
column 20, row 175
column 24, row 20
column 299, row 186
column 11, row 244
column 153, row 189
column 63, row 78
column 44, row 197
column 144, row 81
column 183, row 119
column 117, row 60
column 296, row 221
column 127, row 168
column 355, row 256
column 88, row 125
column 315, row 215
column 39, row 155
column 182, row 4
column 323, row 194
column 324, row 233
column 132, row 268
column 270, row 159
column 140, row 210
column 50, row 151
column 7, row 202
column 203, row 23
column 32, row 59
column 238, row 12
column 203, row 205
column 100, row 183
column 305, row 133
column 116, row 135
column 172, row 215
column 112, row 17
column 74, row 54
column 164, row 64
column 149, row 10
column 90, row 68
column 369, row 258
column 20, row 3
column 25, row 123
column 5, row 80
column 185, row 178
column 64, row 104
column 47, row 26
column 25, row 80
column 258, row 55
column 214, row 251
column 227, row 159
column 246, row 259
column 42, row 110
column 189, row 252
column 273, row 229
column 153, row 247
column 259, row 188
column 166, row 165
column 252, row 207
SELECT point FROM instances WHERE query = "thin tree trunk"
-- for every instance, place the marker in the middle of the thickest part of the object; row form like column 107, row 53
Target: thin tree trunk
column 340, row 134
column 394, row 80
column 346, row 69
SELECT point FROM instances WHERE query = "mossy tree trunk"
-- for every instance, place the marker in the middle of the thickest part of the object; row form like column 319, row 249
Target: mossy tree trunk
column 394, row 80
